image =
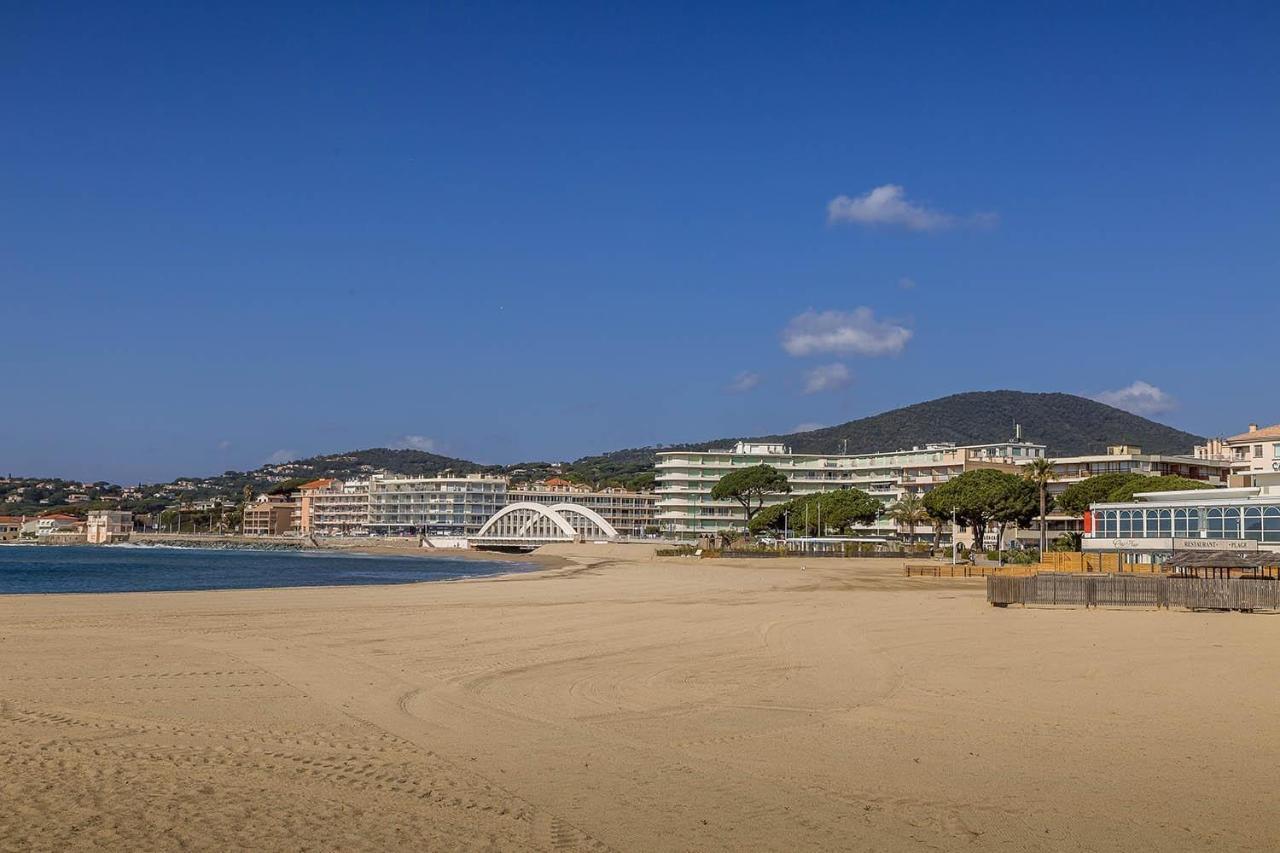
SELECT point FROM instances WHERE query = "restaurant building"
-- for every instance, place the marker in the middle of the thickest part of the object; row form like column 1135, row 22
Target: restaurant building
column 1156, row 524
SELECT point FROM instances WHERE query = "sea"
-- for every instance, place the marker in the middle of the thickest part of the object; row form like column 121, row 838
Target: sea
column 34, row 569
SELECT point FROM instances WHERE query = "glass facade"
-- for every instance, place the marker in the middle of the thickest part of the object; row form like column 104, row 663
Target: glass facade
column 1245, row 521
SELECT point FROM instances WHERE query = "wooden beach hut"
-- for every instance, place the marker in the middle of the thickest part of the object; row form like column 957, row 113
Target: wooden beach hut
column 1224, row 564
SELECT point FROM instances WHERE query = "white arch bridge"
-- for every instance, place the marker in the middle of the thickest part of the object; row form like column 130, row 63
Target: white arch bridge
column 528, row 525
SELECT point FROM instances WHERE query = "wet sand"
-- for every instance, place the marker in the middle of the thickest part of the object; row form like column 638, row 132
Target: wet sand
column 628, row 703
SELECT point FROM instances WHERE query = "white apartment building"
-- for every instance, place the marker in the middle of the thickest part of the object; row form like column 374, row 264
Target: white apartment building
column 685, row 477
column 629, row 512
column 334, row 508
column 1128, row 459
column 438, row 506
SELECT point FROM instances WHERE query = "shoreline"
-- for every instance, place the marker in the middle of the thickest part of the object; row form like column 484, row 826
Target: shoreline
column 501, row 565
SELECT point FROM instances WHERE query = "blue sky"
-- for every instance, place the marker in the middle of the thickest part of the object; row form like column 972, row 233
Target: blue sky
column 533, row 231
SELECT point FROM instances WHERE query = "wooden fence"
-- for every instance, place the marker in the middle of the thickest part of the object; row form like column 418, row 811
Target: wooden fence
column 947, row 570
column 1133, row 590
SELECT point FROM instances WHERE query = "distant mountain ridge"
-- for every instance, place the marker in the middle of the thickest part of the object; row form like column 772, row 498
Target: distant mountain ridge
column 1068, row 425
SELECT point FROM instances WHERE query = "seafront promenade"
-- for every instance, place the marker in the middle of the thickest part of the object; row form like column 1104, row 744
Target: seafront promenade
column 626, row 702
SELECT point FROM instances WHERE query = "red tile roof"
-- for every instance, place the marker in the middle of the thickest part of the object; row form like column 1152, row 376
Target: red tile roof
column 317, row 484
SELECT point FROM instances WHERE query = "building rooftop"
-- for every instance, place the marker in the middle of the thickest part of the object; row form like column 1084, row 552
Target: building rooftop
column 1254, row 432
column 317, row 484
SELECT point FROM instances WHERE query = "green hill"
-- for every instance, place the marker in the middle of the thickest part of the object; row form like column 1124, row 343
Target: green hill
column 1068, row 425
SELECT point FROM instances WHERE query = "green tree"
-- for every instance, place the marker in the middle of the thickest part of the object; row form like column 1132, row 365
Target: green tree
column 1040, row 473
column 248, row 498
column 847, row 508
column 909, row 512
column 750, row 487
column 981, row 498
column 771, row 517
column 1016, row 505
column 1125, row 492
column 1077, row 497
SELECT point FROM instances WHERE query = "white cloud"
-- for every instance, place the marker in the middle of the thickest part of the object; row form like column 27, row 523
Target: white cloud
column 827, row 377
column 282, row 456
column 807, row 427
column 744, row 381
column 906, row 283
column 857, row 331
column 415, row 442
column 1141, row 398
column 888, row 205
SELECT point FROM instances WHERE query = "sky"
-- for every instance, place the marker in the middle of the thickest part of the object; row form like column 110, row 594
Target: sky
column 233, row 233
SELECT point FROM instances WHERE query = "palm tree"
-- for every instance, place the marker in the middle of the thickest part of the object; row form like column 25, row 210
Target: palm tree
column 908, row 511
column 1040, row 473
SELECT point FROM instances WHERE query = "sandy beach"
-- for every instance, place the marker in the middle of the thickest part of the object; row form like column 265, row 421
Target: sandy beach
column 620, row 702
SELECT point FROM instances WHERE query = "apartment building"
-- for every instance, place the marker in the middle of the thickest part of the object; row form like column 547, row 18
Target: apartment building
column 437, row 506
column 270, row 515
column 1129, row 459
column 685, row 478
column 330, row 507
column 1253, row 452
column 630, row 513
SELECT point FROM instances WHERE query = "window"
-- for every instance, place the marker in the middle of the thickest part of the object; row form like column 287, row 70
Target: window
column 1275, row 450
column 1253, row 523
column 1166, row 523
column 1231, row 523
column 1153, row 523
column 1215, row 524
column 1271, row 528
column 1257, row 451
column 1126, row 523
column 1180, row 522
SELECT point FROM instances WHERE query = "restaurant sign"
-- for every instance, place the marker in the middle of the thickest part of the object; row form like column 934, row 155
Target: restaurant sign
column 1164, row 543
column 1215, row 545
column 1155, row 543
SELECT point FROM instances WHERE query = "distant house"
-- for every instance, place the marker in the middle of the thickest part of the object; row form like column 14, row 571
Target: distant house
column 10, row 527
column 47, row 525
column 108, row 525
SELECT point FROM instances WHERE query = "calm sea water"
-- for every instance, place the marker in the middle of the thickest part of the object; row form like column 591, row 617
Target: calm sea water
column 115, row 568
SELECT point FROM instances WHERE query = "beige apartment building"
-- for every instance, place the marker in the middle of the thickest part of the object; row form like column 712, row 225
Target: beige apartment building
column 1253, row 452
column 270, row 515
column 630, row 513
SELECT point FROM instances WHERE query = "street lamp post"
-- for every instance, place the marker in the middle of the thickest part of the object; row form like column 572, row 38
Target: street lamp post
column 953, row 536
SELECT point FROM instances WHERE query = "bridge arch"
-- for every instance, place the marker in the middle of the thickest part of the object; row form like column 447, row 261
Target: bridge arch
column 533, row 523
